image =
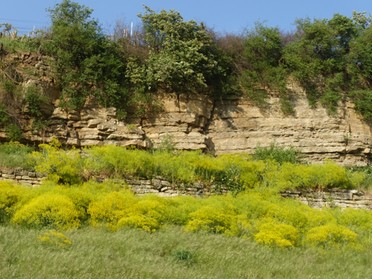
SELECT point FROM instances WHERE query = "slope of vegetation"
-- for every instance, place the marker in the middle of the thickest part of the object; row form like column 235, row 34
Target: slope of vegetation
column 81, row 222
column 257, row 215
column 330, row 59
column 85, row 228
column 252, row 209
column 272, row 167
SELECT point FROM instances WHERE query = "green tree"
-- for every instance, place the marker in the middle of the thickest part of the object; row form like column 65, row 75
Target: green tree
column 87, row 63
column 183, row 56
column 318, row 58
column 360, row 59
column 263, row 71
column 360, row 68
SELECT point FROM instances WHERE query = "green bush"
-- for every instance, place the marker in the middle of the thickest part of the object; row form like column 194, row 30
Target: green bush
column 86, row 63
column 35, row 102
column 9, row 86
column 14, row 132
column 4, row 117
column 277, row 153
column 264, row 73
column 19, row 44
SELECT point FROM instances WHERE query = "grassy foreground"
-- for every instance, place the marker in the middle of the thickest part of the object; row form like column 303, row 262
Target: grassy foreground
column 75, row 227
column 168, row 253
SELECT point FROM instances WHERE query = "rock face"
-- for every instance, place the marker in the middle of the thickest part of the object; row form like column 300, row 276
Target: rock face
column 227, row 125
column 332, row 198
column 240, row 127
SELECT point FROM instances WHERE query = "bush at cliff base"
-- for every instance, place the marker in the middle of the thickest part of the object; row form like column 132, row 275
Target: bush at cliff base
column 259, row 215
column 272, row 233
column 108, row 209
column 10, row 195
column 48, row 210
column 331, row 236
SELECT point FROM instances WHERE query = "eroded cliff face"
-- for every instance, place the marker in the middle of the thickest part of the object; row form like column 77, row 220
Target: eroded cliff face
column 240, row 127
column 227, row 125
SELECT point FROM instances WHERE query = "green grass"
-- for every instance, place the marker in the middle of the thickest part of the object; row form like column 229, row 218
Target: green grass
column 277, row 153
column 366, row 184
column 14, row 155
column 19, row 44
column 169, row 253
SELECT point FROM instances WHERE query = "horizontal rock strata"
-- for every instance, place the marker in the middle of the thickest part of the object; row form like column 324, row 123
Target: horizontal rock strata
column 228, row 125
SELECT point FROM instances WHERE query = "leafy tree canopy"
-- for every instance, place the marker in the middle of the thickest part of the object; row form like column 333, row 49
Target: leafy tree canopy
column 263, row 51
column 319, row 56
column 182, row 55
column 330, row 58
column 87, row 64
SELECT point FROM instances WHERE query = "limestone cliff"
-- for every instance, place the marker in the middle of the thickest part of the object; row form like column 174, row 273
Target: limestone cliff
column 231, row 124
column 228, row 125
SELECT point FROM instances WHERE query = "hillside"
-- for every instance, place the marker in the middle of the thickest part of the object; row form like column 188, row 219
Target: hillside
column 177, row 83
column 228, row 125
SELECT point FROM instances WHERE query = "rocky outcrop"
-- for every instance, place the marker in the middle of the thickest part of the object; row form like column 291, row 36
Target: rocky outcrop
column 226, row 125
column 240, row 127
column 24, row 177
column 332, row 198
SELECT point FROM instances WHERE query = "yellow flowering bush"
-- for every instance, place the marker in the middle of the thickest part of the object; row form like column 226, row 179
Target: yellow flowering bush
column 272, row 233
column 148, row 213
column 179, row 209
column 318, row 176
column 316, row 217
column 110, row 208
column 79, row 196
column 60, row 166
column 54, row 238
column 288, row 213
column 10, row 195
column 330, row 235
column 139, row 221
column 356, row 219
column 48, row 210
column 211, row 218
